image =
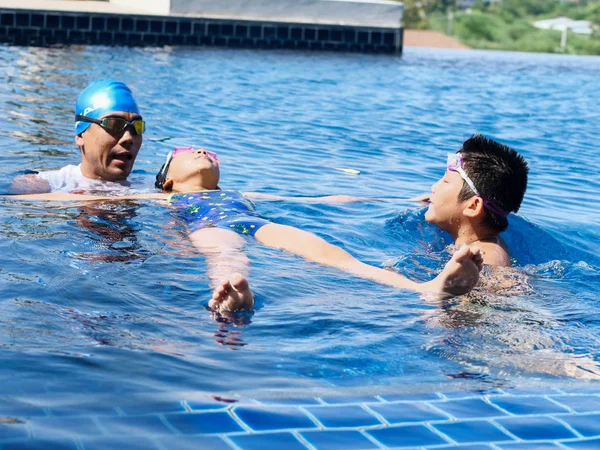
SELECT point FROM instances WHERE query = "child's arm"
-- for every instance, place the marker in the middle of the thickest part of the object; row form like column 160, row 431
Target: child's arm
column 458, row 277
column 67, row 197
column 324, row 199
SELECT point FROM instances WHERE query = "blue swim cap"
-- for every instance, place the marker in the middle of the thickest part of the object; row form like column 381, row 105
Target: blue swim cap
column 103, row 97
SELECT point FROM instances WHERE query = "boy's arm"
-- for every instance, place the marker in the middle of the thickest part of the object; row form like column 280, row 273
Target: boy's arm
column 67, row 197
column 325, row 199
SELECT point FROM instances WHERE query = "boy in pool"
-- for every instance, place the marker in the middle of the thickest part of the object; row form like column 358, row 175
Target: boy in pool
column 217, row 219
column 484, row 182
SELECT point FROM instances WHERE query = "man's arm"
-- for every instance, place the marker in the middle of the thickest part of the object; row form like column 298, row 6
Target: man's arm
column 67, row 197
column 421, row 198
column 29, row 184
column 324, row 199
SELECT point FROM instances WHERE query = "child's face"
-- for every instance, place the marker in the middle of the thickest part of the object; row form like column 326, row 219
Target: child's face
column 445, row 210
column 197, row 166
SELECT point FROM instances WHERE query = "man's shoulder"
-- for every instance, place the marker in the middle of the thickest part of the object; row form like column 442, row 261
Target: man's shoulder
column 62, row 178
column 68, row 170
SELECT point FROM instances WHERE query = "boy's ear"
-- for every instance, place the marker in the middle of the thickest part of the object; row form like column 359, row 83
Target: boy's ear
column 168, row 184
column 473, row 207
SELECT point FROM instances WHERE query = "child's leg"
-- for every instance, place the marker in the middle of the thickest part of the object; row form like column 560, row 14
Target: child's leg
column 458, row 277
column 228, row 268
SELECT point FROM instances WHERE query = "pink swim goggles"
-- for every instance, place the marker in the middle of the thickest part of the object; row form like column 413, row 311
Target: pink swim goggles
column 455, row 164
column 183, row 150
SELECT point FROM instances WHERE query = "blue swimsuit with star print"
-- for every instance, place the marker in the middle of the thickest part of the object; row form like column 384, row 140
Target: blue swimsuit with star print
column 221, row 209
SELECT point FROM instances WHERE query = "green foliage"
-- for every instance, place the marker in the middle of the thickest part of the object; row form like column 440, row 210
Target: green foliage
column 479, row 26
column 414, row 15
column 509, row 25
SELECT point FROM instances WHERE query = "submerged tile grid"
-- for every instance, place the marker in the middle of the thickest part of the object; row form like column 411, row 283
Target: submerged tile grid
column 29, row 27
column 497, row 420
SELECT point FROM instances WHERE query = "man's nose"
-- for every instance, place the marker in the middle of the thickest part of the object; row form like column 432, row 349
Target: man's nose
column 127, row 138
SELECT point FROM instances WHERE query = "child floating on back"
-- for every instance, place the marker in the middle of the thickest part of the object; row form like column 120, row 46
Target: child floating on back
column 216, row 219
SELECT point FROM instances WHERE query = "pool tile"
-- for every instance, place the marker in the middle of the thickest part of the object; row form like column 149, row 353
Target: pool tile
column 55, row 444
column 20, row 409
column 203, row 423
column 338, row 440
column 194, row 443
column 285, row 441
column 593, row 444
column 527, row 405
column 83, row 410
column 531, row 391
column 473, row 408
column 580, row 390
column 408, row 412
column 470, row 394
column 124, row 443
column 349, row 400
column 13, row 431
column 152, row 408
column 208, row 405
column 410, row 397
column 530, row 446
column 49, row 427
column 290, row 401
column 273, row 418
column 343, row 416
column 472, row 431
column 408, row 436
column 587, row 425
column 536, row 428
column 579, row 403
column 134, row 426
column 467, row 447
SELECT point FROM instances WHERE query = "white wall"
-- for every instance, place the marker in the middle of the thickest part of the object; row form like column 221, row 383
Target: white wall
column 380, row 13
column 158, row 7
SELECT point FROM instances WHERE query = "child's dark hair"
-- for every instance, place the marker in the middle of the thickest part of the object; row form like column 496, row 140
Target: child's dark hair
column 161, row 176
column 498, row 172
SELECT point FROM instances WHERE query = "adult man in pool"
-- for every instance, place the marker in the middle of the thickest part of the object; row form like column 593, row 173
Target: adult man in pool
column 108, row 132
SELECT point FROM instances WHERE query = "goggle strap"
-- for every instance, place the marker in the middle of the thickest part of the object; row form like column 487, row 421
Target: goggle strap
column 455, row 161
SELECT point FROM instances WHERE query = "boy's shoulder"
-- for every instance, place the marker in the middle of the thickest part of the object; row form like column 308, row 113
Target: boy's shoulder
column 494, row 253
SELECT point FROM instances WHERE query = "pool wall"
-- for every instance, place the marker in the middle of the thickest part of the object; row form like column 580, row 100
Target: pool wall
column 135, row 27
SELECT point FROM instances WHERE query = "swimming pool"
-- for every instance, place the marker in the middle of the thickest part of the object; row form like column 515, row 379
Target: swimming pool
column 103, row 326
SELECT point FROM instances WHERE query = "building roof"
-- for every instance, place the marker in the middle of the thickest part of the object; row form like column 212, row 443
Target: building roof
column 561, row 23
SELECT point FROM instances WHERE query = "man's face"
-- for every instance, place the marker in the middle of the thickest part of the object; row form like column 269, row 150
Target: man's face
column 445, row 210
column 109, row 155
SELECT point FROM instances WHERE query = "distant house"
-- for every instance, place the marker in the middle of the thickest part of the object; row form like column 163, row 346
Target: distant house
column 564, row 23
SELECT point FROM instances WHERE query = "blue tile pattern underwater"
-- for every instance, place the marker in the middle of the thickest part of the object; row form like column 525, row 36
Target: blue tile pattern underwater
column 498, row 420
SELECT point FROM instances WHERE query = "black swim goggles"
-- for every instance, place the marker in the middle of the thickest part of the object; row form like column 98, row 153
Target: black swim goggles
column 115, row 124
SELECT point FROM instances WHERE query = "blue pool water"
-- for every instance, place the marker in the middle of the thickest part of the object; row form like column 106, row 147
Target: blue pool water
column 105, row 303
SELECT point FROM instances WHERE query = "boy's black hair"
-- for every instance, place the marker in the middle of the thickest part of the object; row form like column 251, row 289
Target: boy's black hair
column 498, row 172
